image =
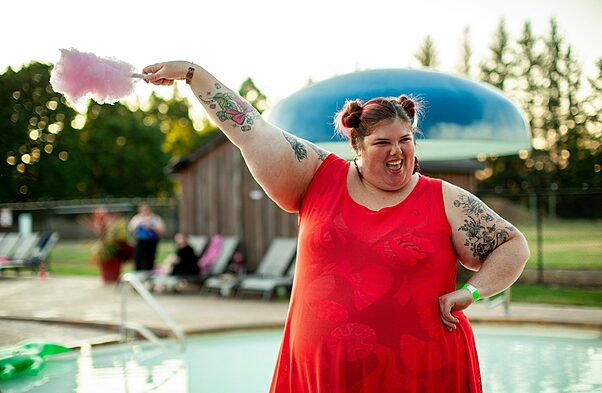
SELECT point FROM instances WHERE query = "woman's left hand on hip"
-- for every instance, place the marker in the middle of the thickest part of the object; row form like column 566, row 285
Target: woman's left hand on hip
column 454, row 301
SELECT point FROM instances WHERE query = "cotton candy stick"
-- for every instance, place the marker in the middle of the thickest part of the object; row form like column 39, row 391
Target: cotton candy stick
column 79, row 74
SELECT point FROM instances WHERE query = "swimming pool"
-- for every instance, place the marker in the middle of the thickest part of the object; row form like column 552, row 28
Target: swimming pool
column 513, row 359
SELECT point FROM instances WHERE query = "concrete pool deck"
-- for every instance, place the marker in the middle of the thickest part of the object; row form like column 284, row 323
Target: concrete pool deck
column 76, row 310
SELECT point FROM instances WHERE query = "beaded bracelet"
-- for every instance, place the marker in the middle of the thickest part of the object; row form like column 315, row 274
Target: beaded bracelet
column 189, row 75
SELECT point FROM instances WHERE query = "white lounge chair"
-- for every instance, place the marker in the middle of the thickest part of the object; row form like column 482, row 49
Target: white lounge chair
column 266, row 285
column 274, row 264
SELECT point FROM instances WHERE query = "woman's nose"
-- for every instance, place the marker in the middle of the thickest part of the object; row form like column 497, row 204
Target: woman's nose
column 395, row 149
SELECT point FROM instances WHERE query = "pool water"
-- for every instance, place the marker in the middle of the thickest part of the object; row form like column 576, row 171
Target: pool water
column 513, row 359
column 539, row 360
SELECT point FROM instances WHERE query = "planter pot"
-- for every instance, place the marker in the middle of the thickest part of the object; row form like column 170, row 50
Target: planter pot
column 110, row 270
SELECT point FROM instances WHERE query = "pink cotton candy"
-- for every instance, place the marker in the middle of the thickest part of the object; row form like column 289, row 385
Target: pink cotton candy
column 78, row 74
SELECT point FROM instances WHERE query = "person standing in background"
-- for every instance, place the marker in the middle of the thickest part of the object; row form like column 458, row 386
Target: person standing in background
column 147, row 229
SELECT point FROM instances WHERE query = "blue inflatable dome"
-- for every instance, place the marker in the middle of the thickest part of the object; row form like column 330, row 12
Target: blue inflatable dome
column 462, row 118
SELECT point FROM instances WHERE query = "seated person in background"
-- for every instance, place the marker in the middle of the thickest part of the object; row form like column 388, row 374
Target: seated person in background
column 182, row 263
column 185, row 263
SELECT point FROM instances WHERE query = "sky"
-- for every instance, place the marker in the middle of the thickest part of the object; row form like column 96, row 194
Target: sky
column 282, row 44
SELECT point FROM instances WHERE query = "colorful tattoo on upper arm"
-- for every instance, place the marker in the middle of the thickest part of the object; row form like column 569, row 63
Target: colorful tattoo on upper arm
column 298, row 147
column 484, row 232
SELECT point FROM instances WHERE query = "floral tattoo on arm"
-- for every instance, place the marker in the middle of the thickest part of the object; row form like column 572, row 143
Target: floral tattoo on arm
column 232, row 108
column 484, row 232
column 298, row 147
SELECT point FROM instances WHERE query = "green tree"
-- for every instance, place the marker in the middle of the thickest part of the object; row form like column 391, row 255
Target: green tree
column 527, row 72
column 496, row 69
column 566, row 129
column 584, row 137
column 577, row 150
column 552, row 99
column 524, row 85
column 122, row 155
column 427, row 54
column 37, row 138
column 465, row 67
column 251, row 93
column 60, row 172
column 593, row 125
column 558, row 121
column 172, row 116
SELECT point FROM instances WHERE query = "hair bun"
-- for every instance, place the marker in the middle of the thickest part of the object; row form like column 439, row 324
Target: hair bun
column 351, row 120
column 408, row 105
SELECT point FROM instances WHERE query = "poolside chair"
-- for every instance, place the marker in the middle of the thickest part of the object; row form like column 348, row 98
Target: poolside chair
column 267, row 285
column 9, row 241
column 24, row 249
column 30, row 251
column 274, row 264
column 198, row 243
column 13, row 248
column 2, row 235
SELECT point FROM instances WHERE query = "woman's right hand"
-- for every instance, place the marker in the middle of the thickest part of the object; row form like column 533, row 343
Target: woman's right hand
column 166, row 73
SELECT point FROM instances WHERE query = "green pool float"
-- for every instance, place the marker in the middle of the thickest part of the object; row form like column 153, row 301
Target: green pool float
column 27, row 358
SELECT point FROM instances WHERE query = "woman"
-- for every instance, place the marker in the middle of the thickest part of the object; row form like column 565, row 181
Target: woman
column 374, row 306
column 147, row 229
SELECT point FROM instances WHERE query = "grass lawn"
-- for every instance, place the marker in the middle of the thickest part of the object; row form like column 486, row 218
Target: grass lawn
column 534, row 293
column 567, row 244
column 73, row 257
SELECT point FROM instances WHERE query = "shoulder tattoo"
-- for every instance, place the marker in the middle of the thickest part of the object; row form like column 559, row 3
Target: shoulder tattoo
column 298, row 147
column 484, row 231
column 322, row 154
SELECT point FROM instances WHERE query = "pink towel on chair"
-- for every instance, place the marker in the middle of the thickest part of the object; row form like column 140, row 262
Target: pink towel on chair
column 211, row 254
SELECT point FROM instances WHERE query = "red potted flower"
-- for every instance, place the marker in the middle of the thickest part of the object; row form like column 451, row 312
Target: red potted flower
column 113, row 247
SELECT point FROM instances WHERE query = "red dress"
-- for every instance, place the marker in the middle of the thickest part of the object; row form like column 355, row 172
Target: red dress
column 364, row 314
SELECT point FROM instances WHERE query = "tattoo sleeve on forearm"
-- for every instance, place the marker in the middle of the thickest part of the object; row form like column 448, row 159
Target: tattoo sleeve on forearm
column 232, row 108
column 298, row 147
column 484, row 232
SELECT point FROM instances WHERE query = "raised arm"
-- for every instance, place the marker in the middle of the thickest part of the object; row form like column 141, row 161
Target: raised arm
column 281, row 163
column 485, row 243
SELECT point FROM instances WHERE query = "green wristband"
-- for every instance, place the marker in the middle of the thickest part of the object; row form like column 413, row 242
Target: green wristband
column 473, row 291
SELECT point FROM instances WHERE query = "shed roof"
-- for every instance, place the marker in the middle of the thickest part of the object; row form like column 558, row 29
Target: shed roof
column 215, row 140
